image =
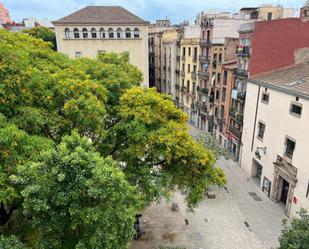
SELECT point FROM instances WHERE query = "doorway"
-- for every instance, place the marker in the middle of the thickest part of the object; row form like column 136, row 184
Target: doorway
column 284, row 191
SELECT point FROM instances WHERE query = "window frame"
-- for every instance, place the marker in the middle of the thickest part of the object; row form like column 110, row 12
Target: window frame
column 290, row 156
column 93, row 32
column 76, row 33
column 136, row 33
column 265, row 93
column 102, row 33
column 85, row 33
column 67, row 33
column 119, row 32
column 128, row 32
column 260, row 125
column 297, row 104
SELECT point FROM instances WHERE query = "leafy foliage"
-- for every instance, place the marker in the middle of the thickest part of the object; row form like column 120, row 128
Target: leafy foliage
column 130, row 145
column 45, row 34
column 77, row 199
column 296, row 235
column 11, row 242
column 209, row 141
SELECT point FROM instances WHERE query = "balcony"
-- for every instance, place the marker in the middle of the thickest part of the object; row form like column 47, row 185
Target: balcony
column 241, row 72
column 237, row 116
column 241, row 96
column 235, row 132
column 183, row 74
column 193, row 75
column 202, row 107
column 204, row 59
column 203, row 91
column 246, row 27
column 204, row 75
column 243, row 51
column 205, row 42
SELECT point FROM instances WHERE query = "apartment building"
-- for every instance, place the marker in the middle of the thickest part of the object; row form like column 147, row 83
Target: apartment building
column 261, row 50
column 4, row 15
column 275, row 135
column 98, row 29
column 155, row 57
column 189, row 51
column 170, row 61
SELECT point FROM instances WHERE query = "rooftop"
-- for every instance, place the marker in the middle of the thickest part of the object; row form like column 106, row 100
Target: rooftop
column 292, row 80
column 101, row 15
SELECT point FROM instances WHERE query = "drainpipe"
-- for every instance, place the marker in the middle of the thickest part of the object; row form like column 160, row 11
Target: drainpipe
column 255, row 118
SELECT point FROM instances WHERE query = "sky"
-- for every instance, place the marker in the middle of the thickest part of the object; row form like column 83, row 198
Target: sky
column 150, row 10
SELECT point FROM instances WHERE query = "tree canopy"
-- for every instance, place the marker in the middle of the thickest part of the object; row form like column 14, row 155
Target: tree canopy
column 296, row 234
column 45, row 34
column 83, row 147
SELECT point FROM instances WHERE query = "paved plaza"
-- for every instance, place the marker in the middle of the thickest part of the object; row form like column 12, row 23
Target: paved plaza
column 240, row 217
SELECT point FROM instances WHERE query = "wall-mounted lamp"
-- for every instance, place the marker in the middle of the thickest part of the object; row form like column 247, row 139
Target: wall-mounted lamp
column 258, row 149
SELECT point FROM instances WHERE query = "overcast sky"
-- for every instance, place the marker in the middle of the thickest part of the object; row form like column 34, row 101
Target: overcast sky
column 150, row 10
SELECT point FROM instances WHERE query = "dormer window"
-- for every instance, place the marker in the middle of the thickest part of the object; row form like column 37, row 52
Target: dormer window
column 110, row 33
column 67, row 33
column 119, row 31
column 128, row 33
column 85, row 33
column 136, row 33
column 93, row 33
column 76, row 33
column 102, row 33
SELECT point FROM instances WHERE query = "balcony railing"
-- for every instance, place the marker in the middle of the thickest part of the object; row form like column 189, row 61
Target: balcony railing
column 193, row 75
column 237, row 116
column 241, row 72
column 243, row 51
column 204, row 59
column 204, row 75
column 241, row 95
column 205, row 42
column 235, row 132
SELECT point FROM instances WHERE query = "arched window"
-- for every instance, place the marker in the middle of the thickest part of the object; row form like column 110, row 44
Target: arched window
column 93, row 33
column 128, row 33
column 67, row 33
column 102, row 33
column 119, row 31
column 85, row 33
column 76, row 33
column 110, row 33
column 136, row 33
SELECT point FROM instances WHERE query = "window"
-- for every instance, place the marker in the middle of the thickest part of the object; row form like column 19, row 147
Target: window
column 67, row 33
column 188, row 68
column 93, row 33
column 265, row 97
column 78, row 54
column 219, row 78
column 85, row 33
column 195, row 52
column 189, row 52
column 261, row 130
column 289, row 147
column 76, row 33
column 119, row 31
column 296, row 109
column 269, row 16
column 307, row 194
column 102, row 33
column 223, row 96
column 224, row 77
column 220, row 59
column 128, row 33
column 110, row 33
column 183, row 52
column 136, row 33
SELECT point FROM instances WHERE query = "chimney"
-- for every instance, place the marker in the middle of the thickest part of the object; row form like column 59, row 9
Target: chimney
column 304, row 12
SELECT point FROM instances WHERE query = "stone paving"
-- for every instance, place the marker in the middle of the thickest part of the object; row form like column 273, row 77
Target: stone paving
column 240, row 217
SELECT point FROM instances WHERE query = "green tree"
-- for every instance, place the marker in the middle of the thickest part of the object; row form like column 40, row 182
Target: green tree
column 296, row 234
column 45, row 34
column 152, row 141
column 77, row 199
column 210, row 142
column 11, row 242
